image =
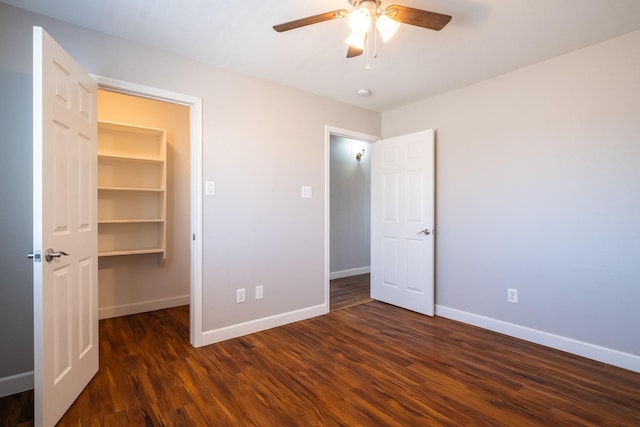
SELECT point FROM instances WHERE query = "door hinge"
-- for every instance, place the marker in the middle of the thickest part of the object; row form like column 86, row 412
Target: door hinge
column 194, row 237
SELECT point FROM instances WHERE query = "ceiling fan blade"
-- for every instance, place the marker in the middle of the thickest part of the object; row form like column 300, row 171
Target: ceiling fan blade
column 328, row 16
column 353, row 51
column 417, row 17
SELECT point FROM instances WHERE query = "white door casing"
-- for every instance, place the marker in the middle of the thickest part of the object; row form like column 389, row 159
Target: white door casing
column 197, row 336
column 66, row 345
column 402, row 221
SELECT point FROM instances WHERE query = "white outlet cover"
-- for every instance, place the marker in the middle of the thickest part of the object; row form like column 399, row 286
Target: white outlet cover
column 306, row 192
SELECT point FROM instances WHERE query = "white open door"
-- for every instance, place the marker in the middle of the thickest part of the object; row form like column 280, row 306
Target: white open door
column 402, row 221
column 64, row 225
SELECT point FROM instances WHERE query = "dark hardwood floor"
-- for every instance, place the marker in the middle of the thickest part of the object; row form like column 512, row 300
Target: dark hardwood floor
column 349, row 291
column 17, row 410
column 370, row 364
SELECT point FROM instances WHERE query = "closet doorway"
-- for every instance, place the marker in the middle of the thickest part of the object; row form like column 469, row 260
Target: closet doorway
column 135, row 283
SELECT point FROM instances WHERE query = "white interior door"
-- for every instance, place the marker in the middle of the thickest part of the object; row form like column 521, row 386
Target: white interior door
column 64, row 222
column 402, row 221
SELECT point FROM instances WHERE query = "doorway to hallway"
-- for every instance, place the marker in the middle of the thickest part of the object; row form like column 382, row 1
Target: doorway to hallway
column 349, row 225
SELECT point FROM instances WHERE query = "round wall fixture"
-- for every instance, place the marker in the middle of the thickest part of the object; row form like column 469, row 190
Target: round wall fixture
column 363, row 92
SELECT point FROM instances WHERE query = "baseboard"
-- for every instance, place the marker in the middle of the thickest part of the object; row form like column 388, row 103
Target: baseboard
column 142, row 307
column 348, row 273
column 234, row 331
column 579, row 348
column 16, row 383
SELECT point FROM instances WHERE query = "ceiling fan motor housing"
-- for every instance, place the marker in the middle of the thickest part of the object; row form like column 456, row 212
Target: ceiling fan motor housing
column 356, row 3
column 372, row 5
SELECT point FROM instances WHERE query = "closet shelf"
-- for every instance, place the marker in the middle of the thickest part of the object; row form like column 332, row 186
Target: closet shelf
column 135, row 159
column 157, row 190
column 132, row 252
column 132, row 195
column 129, row 221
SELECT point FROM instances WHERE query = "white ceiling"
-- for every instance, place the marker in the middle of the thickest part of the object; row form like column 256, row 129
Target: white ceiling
column 485, row 38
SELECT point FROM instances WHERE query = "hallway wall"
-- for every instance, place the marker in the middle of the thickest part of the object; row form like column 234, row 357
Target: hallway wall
column 350, row 207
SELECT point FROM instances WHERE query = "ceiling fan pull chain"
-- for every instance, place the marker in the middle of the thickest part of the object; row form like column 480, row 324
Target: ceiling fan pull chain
column 375, row 42
column 367, row 50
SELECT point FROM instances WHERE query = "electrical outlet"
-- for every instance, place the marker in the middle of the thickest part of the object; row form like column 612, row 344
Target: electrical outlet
column 259, row 292
column 512, row 295
column 306, row 192
column 239, row 295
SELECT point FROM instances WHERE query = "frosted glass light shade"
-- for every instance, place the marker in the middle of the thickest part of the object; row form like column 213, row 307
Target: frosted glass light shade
column 387, row 27
column 360, row 20
column 356, row 40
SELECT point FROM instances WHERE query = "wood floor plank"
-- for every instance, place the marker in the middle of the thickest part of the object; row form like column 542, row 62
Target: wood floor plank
column 370, row 364
column 16, row 410
column 349, row 291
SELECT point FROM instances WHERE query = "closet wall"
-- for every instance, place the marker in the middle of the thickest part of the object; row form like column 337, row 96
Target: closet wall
column 136, row 283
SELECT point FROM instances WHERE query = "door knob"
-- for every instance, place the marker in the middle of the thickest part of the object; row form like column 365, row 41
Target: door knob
column 426, row 232
column 50, row 254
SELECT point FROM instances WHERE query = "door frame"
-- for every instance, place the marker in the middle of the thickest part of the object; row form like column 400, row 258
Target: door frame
column 346, row 133
column 195, row 130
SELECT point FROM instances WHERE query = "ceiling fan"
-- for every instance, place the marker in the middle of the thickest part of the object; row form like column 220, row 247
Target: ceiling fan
column 367, row 14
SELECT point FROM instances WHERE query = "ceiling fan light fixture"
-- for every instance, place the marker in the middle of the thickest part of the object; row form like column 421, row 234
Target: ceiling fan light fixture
column 387, row 27
column 356, row 40
column 360, row 20
column 367, row 18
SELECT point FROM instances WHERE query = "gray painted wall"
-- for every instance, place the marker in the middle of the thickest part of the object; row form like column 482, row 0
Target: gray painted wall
column 538, row 188
column 257, row 229
column 350, row 203
column 16, row 280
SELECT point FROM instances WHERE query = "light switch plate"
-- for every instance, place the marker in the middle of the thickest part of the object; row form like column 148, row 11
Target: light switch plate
column 210, row 188
column 306, row 192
